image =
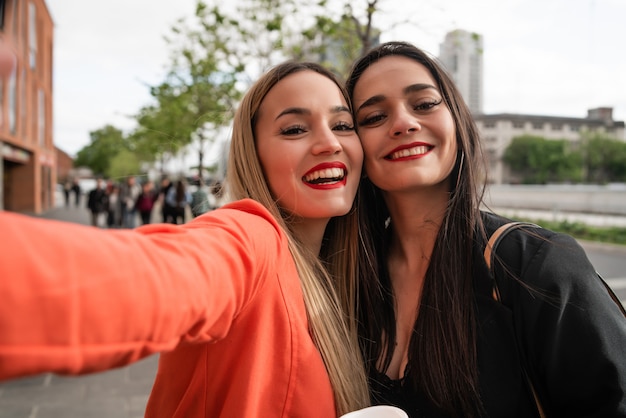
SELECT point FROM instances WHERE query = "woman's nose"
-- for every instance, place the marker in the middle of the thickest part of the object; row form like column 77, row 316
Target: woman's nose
column 404, row 123
column 327, row 143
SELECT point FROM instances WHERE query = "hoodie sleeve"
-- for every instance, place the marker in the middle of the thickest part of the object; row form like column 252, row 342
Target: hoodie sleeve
column 78, row 299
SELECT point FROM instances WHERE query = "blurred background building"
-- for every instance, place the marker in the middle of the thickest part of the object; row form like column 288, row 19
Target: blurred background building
column 461, row 53
column 28, row 156
column 498, row 130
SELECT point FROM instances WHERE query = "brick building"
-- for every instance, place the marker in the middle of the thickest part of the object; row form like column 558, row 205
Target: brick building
column 28, row 156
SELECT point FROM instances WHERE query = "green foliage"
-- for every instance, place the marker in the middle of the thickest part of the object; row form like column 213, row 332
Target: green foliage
column 125, row 163
column 199, row 93
column 605, row 159
column 335, row 43
column 105, row 144
column 538, row 160
column 599, row 158
column 579, row 230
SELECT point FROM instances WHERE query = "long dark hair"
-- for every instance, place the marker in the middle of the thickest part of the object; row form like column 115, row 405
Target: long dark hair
column 442, row 350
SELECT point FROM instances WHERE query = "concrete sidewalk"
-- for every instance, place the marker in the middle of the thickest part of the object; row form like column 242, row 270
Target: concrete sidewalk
column 119, row 393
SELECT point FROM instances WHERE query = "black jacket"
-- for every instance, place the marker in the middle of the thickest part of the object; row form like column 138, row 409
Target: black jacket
column 558, row 320
column 97, row 201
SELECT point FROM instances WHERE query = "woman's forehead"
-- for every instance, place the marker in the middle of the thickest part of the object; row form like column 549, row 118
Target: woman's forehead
column 391, row 75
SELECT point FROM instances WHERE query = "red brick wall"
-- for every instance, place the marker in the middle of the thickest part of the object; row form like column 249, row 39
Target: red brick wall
column 27, row 191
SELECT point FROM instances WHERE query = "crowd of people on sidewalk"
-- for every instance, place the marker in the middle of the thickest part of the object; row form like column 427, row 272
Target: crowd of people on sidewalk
column 132, row 202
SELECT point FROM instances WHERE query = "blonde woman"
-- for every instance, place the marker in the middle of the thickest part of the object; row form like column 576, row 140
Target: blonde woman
column 243, row 302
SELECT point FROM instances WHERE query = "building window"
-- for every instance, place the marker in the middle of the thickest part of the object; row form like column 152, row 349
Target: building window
column 557, row 127
column 538, row 126
column 41, row 113
column 12, row 91
column 23, row 112
column 490, row 124
column 574, row 128
column 518, row 125
column 32, row 35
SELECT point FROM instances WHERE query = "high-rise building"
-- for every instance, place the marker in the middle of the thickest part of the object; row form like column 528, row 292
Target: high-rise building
column 461, row 53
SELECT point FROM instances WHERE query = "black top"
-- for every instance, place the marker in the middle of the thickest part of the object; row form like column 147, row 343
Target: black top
column 573, row 336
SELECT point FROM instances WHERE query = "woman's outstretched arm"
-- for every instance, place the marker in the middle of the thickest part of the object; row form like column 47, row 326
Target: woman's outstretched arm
column 79, row 299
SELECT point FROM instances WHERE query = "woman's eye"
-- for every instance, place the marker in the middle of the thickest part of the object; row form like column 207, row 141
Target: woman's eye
column 343, row 126
column 426, row 105
column 293, row 130
column 370, row 120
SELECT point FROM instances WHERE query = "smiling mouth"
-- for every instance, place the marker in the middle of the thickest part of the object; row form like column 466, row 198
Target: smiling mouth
column 409, row 152
column 325, row 176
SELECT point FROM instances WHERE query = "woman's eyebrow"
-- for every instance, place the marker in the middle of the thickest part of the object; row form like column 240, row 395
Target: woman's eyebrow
column 305, row 111
column 293, row 111
column 408, row 89
column 339, row 109
column 371, row 101
column 418, row 87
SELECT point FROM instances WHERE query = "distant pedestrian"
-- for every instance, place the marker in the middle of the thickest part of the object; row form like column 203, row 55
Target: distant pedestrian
column 114, row 210
column 178, row 197
column 166, row 210
column 76, row 190
column 97, row 202
column 200, row 200
column 67, row 189
column 129, row 191
column 145, row 202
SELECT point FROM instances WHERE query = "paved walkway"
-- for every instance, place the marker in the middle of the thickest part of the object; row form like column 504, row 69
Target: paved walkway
column 119, row 393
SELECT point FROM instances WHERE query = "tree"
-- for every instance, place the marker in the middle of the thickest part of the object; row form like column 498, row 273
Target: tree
column 161, row 130
column 538, row 160
column 104, row 145
column 339, row 34
column 200, row 90
column 605, row 158
column 124, row 164
column 218, row 52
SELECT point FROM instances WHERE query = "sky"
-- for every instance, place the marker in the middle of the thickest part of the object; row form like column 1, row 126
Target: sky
column 541, row 57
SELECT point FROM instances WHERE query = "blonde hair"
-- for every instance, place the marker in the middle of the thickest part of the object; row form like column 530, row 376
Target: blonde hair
column 328, row 280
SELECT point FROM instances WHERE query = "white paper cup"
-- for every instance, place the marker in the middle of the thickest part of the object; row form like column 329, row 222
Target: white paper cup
column 379, row 411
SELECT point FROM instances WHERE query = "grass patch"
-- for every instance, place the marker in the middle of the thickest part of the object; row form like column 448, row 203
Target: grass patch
column 579, row 230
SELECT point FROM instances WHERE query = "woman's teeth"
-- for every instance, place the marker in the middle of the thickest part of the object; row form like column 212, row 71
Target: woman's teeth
column 408, row 152
column 326, row 175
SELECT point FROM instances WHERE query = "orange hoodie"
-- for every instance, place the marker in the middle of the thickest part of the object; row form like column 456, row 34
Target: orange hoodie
column 219, row 297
